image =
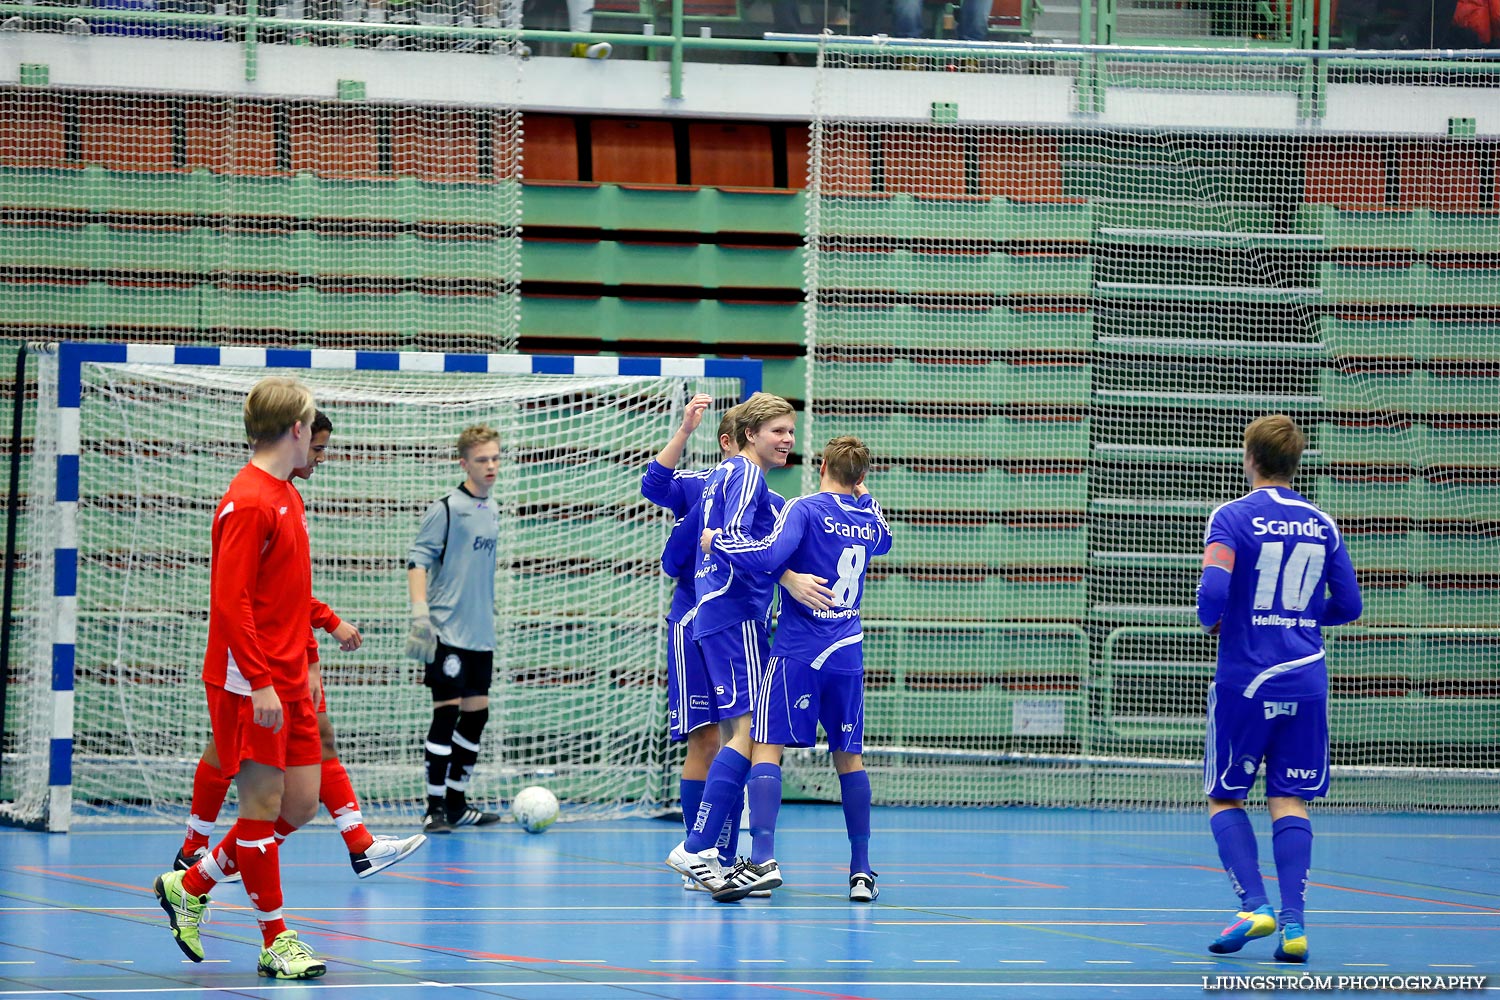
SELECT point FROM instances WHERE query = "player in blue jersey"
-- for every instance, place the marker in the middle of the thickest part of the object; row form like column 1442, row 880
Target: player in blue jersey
column 1275, row 571
column 816, row 670
column 729, row 620
column 692, row 712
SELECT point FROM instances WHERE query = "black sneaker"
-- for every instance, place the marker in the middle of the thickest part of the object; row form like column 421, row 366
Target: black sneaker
column 748, row 877
column 470, row 816
column 184, row 861
column 436, row 823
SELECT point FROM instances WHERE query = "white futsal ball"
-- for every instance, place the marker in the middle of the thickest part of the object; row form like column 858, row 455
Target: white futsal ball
column 534, row 808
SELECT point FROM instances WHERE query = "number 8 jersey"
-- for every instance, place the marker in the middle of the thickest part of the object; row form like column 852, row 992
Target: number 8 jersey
column 831, row 535
column 1292, row 575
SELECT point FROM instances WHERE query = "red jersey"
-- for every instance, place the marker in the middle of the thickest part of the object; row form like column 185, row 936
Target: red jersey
column 260, row 589
column 322, row 618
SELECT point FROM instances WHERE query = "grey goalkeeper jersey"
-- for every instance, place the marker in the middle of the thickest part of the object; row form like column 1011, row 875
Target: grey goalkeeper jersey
column 456, row 545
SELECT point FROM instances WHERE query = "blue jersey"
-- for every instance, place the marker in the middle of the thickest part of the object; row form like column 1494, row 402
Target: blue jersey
column 1292, row 575
column 737, row 500
column 681, row 493
column 832, row 535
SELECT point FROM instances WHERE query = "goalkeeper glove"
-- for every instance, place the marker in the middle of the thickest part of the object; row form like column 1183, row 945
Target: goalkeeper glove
column 421, row 642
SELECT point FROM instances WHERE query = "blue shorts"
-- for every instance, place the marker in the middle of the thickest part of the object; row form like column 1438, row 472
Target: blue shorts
column 735, row 658
column 794, row 698
column 1290, row 736
column 690, row 701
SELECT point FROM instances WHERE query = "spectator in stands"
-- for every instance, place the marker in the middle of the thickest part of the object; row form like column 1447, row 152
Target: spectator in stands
column 973, row 19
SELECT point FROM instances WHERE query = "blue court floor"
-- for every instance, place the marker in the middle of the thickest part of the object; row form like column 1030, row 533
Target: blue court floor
column 974, row 903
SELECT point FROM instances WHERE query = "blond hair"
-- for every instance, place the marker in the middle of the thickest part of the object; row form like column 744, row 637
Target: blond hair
column 1274, row 444
column 846, row 460
column 273, row 405
column 474, row 436
column 757, row 411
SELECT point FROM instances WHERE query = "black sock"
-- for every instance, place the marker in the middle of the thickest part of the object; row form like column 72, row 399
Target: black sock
column 465, row 752
column 439, row 753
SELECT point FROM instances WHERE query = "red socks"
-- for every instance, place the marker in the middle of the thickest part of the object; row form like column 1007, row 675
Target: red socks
column 259, row 860
column 338, row 798
column 210, row 788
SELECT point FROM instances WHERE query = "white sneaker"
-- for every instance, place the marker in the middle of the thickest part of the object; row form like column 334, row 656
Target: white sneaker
column 749, row 877
column 385, row 852
column 862, row 887
column 703, row 868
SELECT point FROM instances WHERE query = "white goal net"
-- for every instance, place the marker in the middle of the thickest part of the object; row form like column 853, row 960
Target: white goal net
column 1050, row 286
column 578, row 702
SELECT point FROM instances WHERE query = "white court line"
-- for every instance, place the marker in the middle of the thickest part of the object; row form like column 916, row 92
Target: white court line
column 1450, row 966
column 381, row 990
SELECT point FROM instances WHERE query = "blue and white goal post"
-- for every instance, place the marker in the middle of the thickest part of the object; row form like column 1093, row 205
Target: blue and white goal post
column 135, row 443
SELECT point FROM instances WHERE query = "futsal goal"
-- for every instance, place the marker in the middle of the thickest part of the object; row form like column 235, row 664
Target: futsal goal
column 134, row 445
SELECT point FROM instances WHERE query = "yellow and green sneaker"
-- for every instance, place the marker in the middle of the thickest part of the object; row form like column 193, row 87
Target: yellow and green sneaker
column 288, row 958
column 185, row 911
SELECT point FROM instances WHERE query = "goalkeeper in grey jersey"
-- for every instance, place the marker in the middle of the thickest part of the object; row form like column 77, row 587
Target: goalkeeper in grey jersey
column 450, row 577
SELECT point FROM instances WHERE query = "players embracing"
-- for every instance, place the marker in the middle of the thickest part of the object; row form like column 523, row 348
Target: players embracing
column 816, row 671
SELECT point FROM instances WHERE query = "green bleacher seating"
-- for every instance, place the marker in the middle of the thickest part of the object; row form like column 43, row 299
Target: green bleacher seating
column 995, row 273
column 1419, row 338
column 1425, row 552
column 664, row 209
column 894, row 594
column 1413, row 391
column 1063, row 381
column 1420, row 443
column 1397, row 495
column 683, row 264
column 1407, row 283
column 688, row 320
column 949, row 327
column 989, row 489
column 995, row 436
column 953, row 542
column 915, row 216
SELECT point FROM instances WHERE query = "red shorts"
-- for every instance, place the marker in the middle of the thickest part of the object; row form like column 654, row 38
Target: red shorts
column 237, row 738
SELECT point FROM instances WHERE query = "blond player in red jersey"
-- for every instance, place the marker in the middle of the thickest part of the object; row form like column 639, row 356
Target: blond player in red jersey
column 261, row 696
column 368, row 854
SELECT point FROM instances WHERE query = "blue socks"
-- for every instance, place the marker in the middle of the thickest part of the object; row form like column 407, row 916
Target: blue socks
column 723, row 791
column 1237, row 851
column 765, row 802
column 1291, row 846
column 729, row 838
column 692, row 798
column 856, row 795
